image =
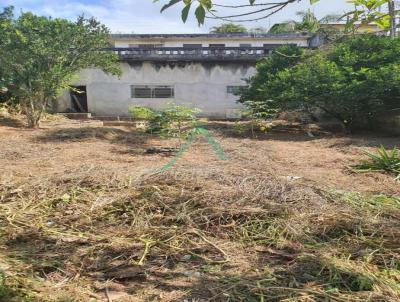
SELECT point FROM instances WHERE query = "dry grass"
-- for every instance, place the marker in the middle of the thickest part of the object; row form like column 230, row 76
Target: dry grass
column 83, row 218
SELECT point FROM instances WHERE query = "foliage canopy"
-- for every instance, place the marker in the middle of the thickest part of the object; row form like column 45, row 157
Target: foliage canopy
column 352, row 82
column 40, row 56
column 365, row 12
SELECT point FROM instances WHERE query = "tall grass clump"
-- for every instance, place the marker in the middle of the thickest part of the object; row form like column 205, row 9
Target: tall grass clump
column 384, row 160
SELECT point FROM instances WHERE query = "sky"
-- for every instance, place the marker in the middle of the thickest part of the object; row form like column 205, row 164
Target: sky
column 143, row 16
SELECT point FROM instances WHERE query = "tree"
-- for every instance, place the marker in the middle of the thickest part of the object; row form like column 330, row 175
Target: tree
column 309, row 23
column 254, row 10
column 40, row 56
column 283, row 28
column 228, row 28
column 5, row 16
column 352, row 82
column 373, row 11
column 267, row 69
column 366, row 11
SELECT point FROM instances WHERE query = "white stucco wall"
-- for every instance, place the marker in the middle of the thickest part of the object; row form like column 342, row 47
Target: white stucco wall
column 202, row 86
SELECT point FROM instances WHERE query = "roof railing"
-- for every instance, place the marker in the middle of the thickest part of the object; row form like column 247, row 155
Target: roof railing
column 192, row 53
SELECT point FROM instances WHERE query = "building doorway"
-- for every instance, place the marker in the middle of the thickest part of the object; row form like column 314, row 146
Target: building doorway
column 79, row 99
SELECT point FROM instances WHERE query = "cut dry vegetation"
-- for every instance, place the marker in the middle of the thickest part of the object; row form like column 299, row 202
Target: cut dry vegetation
column 84, row 218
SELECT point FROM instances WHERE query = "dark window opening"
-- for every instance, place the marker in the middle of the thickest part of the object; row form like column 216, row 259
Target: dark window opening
column 192, row 46
column 141, row 92
column 163, row 92
column 79, row 99
column 217, row 45
column 245, row 49
column 272, row 46
column 217, row 49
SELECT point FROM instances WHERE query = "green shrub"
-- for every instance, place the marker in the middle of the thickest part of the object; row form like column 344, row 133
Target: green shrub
column 257, row 112
column 170, row 121
column 174, row 116
column 384, row 160
column 142, row 113
column 352, row 81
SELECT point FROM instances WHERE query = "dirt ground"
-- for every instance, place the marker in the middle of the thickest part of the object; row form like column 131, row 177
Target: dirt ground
column 323, row 161
column 84, row 217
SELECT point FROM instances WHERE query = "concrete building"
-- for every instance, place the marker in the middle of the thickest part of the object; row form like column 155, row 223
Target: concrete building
column 203, row 70
column 361, row 28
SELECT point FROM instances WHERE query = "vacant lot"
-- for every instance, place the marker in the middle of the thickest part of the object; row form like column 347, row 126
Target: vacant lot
column 84, row 217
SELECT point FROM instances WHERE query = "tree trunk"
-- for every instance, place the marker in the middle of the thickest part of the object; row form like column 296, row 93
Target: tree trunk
column 346, row 125
column 33, row 111
column 392, row 14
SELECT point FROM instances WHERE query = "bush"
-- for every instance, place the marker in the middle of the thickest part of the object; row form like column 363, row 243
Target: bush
column 352, row 81
column 142, row 113
column 168, row 121
column 176, row 115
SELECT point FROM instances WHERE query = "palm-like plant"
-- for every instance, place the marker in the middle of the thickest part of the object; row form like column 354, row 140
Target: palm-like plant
column 384, row 160
column 228, row 28
column 285, row 27
column 309, row 23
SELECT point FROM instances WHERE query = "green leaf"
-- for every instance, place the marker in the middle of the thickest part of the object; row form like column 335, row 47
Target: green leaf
column 200, row 14
column 185, row 12
column 313, row 1
column 172, row 2
column 207, row 4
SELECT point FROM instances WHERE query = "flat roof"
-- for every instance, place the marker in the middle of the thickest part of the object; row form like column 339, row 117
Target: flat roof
column 225, row 35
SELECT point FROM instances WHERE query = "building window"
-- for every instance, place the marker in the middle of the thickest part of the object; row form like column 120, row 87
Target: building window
column 192, row 46
column 163, row 92
column 272, row 46
column 245, row 45
column 140, row 92
column 152, row 92
column 217, row 45
column 234, row 89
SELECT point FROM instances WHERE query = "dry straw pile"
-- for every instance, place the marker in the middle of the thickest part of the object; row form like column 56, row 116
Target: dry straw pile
column 194, row 235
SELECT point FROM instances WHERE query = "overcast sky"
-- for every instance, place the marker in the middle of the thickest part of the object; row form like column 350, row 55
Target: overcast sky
column 143, row 16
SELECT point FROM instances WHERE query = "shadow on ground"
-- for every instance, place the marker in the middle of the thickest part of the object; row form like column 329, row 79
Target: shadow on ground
column 11, row 122
column 299, row 133
column 129, row 138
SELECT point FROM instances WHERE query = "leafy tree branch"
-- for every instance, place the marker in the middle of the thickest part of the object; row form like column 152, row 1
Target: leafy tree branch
column 41, row 56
